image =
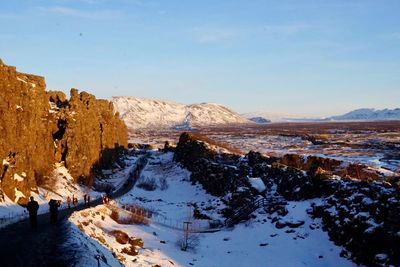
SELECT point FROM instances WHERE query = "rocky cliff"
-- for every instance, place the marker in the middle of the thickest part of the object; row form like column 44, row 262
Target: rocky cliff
column 39, row 128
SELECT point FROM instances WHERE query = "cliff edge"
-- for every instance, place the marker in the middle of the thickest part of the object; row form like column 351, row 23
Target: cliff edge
column 40, row 128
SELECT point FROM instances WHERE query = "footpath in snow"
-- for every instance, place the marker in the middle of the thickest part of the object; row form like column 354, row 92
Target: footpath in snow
column 172, row 200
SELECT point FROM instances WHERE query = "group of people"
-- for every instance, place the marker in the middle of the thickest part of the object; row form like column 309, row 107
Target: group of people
column 33, row 207
column 74, row 201
column 106, row 199
column 86, row 198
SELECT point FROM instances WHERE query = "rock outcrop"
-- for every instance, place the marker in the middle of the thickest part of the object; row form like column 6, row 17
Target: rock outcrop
column 88, row 132
column 216, row 172
column 361, row 215
column 39, row 128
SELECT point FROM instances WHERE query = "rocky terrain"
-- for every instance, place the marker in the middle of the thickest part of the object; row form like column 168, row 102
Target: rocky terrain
column 139, row 113
column 42, row 128
column 362, row 215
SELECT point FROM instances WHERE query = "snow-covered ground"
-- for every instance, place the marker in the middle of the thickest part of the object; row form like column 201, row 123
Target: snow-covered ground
column 255, row 243
column 278, row 145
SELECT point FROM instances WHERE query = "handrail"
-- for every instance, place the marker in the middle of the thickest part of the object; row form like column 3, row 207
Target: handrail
column 246, row 210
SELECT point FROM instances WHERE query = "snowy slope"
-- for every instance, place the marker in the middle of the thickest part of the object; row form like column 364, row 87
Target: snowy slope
column 147, row 113
column 369, row 114
column 273, row 117
column 260, row 120
column 255, row 243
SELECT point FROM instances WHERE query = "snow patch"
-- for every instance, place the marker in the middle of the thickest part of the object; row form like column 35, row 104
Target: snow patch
column 258, row 184
column 21, row 80
column 18, row 178
column 18, row 194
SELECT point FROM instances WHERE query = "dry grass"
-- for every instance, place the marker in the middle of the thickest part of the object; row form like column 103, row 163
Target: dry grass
column 224, row 145
column 125, row 217
column 130, row 250
column 120, row 236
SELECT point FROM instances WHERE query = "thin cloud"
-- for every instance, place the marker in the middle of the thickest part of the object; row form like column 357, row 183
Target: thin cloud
column 83, row 14
column 395, row 35
column 223, row 34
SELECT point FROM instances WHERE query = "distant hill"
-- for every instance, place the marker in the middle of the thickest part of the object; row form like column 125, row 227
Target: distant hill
column 368, row 114
column 260, row 120
column 272, row 117
column 141, row 113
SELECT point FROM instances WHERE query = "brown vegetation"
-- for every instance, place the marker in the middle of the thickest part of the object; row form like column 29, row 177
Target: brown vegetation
column 125, row 217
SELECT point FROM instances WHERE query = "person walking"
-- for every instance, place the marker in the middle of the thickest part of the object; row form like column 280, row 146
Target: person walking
column 69, row 202
column 74, row 200
column 88, row 200
column 32, row 208
column 54, row 204
column 85, row 198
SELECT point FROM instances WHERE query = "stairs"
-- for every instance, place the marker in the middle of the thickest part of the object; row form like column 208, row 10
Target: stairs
column 244, row 211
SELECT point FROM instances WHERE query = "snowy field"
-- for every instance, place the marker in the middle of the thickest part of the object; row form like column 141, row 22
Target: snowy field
column 255, row 243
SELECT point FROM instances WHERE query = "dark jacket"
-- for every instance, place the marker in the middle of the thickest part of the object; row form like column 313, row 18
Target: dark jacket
column 32, row 207
column 54, row 206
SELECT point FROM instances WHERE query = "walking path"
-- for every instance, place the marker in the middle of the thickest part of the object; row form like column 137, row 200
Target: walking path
column 21, row 246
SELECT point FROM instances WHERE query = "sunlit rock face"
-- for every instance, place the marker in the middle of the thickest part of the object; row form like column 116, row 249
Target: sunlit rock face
column 39, row 128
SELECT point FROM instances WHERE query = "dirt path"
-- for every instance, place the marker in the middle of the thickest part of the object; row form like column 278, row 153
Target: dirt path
column 21, row 246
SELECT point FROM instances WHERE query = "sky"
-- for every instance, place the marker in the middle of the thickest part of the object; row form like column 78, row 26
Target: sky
column 301, row 57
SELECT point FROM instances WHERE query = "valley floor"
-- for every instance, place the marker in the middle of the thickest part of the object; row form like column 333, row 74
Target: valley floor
column 254, row 243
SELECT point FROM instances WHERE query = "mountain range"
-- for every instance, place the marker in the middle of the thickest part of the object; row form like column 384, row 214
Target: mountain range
column 368, row 114
column 141, row 113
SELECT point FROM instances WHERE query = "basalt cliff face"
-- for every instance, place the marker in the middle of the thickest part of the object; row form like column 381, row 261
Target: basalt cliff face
column 40, row 128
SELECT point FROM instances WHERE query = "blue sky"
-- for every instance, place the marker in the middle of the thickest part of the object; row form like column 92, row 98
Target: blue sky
column 310, row 58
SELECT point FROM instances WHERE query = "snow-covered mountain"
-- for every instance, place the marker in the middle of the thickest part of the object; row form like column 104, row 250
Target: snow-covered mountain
column 260, row 120
column 369, row 114
column 140, row 113
column 272, row 117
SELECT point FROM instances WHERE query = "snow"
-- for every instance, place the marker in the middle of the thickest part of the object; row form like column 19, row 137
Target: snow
column 273, row 117
column 85, row 250
column 140, row 113
column 180, row 192
column 368, row 114
column 33, row 85
column 63, row 187
column 258, row 184
column 21, row 80
column 18, row 194
column 363, row 114
column 18, row 178
column 381, row 257
column 256, row 243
